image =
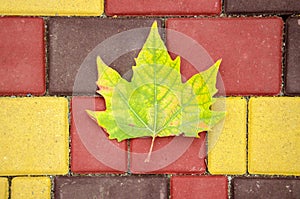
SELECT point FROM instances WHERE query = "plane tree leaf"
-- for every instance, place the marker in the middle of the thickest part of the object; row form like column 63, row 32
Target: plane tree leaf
column 155, row 102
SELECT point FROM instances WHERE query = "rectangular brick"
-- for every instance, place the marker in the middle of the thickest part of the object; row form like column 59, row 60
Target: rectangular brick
column 34, row 136
column 52, row 8
column 31, row 188
column 292, row 73
column 91, row 150
column 274, row 136
column 250, row 49
column 170, row 155
column 275, row 188
column 22, row 56
column 197, row 187
column 163, row 7
column 74, row 44
column 262, row 6
column 227, row 140
column 146, row 187
column 4, row 188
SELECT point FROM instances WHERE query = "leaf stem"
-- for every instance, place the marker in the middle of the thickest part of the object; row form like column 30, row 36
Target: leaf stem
column 150, row 151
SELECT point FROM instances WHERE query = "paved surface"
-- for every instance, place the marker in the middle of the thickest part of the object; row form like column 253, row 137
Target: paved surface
column 47, row 139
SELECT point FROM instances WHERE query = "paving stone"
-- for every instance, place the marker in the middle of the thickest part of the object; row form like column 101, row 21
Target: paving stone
column 72, row 60
column 274, row 136
column 262, row 6
column 31, row 188
column 34, row 136
column 52, row 8
column 111, row 187
column 170, row 155
column 250, row 49
column 86, row 140
column 4, row 188
column 292, row 73
column 22, row 56
column 163, row 7
column 197, row 187
column 227, row 140
column 275, row 188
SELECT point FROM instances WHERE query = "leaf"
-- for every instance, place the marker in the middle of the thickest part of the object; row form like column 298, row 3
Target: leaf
column 155, row 102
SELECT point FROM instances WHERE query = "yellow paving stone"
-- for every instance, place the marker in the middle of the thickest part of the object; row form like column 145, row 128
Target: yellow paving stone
column 52, row 7
column 31, row 188
column 34, row 136
column 3, row 188
column 227, row 140
column 274, row 136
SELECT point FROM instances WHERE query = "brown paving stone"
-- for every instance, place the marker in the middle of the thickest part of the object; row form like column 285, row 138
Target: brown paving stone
column 292, row 79
column 262, row 6
column 275, row 188
column 146, row 187
column 72, row 39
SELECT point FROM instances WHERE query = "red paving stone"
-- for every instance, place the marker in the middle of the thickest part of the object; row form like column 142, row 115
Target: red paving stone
column 250, row 49
column 82, row 161
column 22, row 56
column 197, row 187
column 191, row 155
column 163, row 7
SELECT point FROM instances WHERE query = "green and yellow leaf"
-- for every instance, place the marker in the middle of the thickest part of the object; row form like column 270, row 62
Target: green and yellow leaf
column 155, row 103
